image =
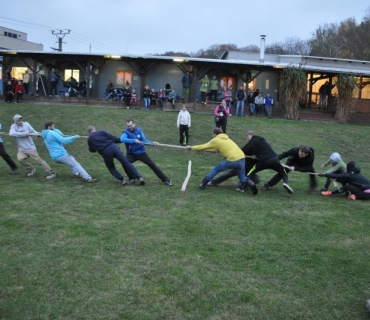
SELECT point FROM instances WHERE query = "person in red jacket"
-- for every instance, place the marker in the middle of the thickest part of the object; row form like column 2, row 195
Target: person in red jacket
column 19, row 90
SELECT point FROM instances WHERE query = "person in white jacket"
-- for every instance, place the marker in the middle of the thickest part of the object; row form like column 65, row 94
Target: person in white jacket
column 184, row 123
column 23, row 132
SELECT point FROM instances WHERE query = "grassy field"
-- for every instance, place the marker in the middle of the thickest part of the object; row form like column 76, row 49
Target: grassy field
column 72, row 250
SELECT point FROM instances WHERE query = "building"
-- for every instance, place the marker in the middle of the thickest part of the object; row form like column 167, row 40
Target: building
column 17, row 40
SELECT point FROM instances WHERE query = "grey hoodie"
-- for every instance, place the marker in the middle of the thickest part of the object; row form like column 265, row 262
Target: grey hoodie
column 25, row 143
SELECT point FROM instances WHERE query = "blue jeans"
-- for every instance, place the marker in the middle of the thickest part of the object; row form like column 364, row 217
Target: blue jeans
column 76, row 168
column 146, row 103
column 252, row 106
column 238, row 165
column 240, row 105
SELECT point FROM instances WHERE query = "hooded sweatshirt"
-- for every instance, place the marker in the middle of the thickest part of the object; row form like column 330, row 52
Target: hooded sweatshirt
column 25, row 143
column 54, row 143
column 338, row 164
column 223, row 144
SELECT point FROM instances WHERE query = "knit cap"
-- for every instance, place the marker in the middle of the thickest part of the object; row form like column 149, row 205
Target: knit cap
column 17, row 117
column 335, row 156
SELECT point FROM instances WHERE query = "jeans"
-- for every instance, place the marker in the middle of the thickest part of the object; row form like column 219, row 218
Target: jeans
column 146, row 103
column 238, row 165
column 252, row 106
column 76, row 168
column 239, row 106
column 114, row 152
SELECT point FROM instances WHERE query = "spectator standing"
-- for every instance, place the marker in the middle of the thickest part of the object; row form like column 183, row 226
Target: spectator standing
column 26, row 81
column 9, row 94
column 323, row 91
column 226, row 93
column 204, row 85
column 54, row 79
column 251, row 104
column 269, row 103
column 221, row 112
column 184, row 123
column 259, row 101
column 134, row 138
column 23, row 133
column 186, row 81
column 153, row 98
column 146, row 97
column 213, row 89
column 240, row 98
column 161, row 98
column 127, row 96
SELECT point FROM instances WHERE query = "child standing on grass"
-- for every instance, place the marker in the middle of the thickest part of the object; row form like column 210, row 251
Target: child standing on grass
column 183, row 123
column 338, row 167
column 172, row 98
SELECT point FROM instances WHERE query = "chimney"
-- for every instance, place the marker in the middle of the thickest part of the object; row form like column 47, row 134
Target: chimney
column 262, row 48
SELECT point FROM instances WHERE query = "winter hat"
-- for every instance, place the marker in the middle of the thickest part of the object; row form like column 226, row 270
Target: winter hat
column 335, row 156
column 350, row 166
column 17, row 117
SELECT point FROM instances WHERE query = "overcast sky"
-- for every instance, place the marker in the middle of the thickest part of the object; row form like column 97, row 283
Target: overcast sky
column 157, row 26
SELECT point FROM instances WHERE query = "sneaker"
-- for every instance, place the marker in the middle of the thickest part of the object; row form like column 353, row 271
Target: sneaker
column 51, row 175
column 31, row 173
column 266, row 187
column 210, row 184
column 202, row 186
column 91, row 180
column 239, row 189
column 168, row 182
column 122, row 182
column 131, row 181
column 352, row 197
column 326, row 193
column 142, row 181
column 254, row 190
column 288, row 188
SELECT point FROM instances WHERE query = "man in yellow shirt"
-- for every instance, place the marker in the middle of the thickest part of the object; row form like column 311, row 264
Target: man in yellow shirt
column 234, row 159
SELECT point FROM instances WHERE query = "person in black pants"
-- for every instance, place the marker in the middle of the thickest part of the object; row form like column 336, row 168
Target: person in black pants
column 299, row 159
column 6, row 157
column 105, row 143
column 134, row 138
column 259, row 156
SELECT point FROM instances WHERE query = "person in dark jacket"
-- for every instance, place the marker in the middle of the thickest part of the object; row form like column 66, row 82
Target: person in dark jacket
column 355, row 184
column 9, row 94
column 260, row 156
column 299, row 159
column 134, row 139
column 104, row 143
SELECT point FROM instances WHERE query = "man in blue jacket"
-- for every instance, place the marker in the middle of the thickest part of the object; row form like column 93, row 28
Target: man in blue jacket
column 134, row 139
column 54, row 141
column 105, row 143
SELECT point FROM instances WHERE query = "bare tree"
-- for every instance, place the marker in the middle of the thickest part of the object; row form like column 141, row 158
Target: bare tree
column 215, row 51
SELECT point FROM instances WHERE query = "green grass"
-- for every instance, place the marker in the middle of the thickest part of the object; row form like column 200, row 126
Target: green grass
column 71, row 250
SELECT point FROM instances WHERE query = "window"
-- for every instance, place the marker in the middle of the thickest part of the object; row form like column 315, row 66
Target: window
column 122, row 77
column 69, row 73
column 227, row 82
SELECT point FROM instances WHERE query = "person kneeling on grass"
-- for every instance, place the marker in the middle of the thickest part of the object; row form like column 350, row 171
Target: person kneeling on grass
column 54, row 142
column 234, row 159
column 355, row 185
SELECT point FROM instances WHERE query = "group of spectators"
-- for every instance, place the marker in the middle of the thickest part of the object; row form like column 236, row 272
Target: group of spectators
column 16, row 88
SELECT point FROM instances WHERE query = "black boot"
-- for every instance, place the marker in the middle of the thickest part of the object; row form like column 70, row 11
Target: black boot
column 202, row 186
column 252, row 185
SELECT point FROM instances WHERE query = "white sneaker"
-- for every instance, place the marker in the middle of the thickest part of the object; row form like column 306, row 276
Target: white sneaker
column 31, row 173
column 288, row 188
column 51, row 175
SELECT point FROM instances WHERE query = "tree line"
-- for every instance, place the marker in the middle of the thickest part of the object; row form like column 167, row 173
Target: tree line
column 344, row 40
